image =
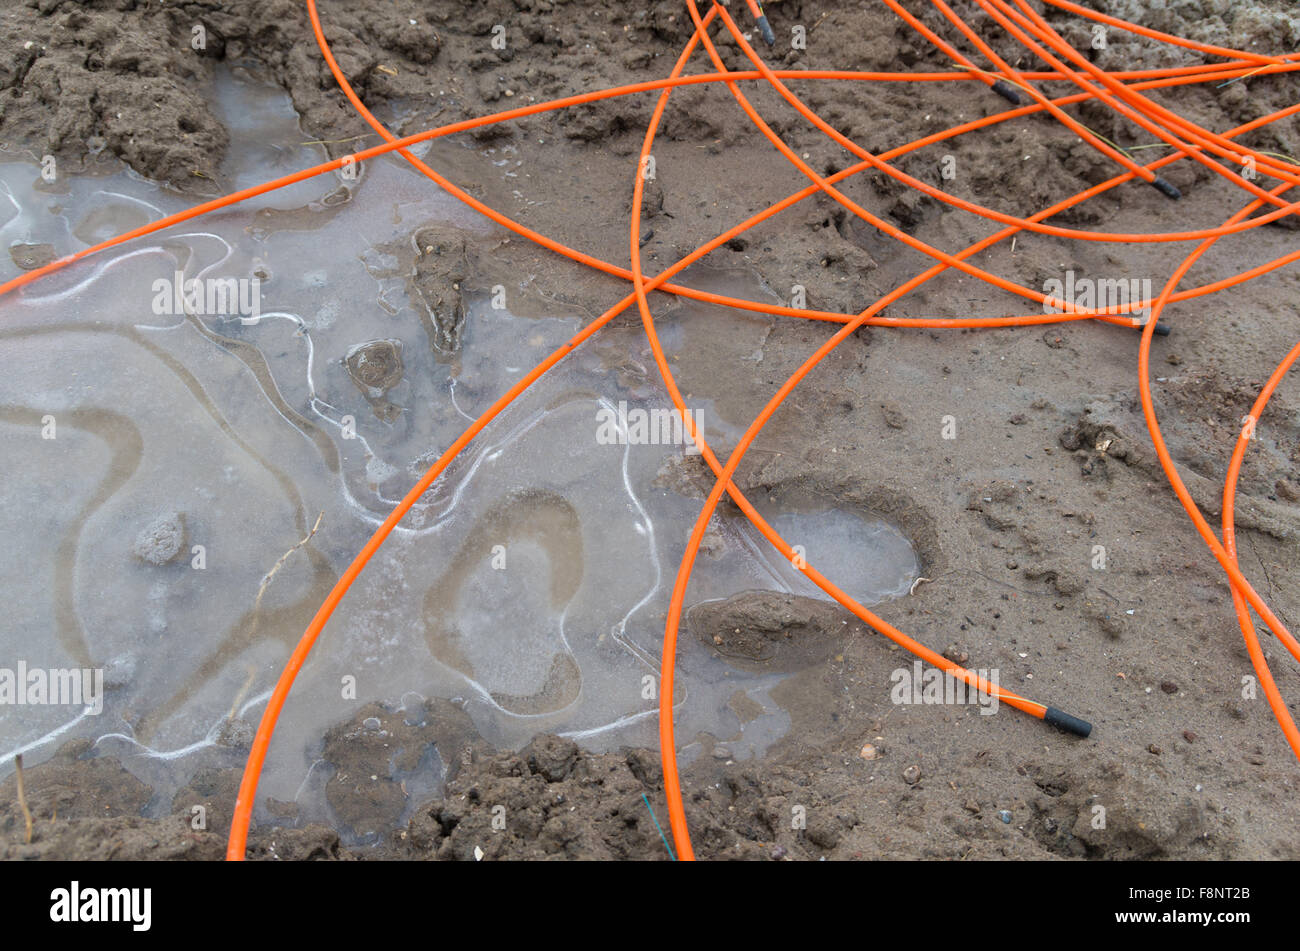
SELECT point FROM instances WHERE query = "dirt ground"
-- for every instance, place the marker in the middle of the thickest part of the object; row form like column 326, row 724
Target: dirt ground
column 1051, row 456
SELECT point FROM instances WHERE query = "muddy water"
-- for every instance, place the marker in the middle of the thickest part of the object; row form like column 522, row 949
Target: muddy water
column 530, row 583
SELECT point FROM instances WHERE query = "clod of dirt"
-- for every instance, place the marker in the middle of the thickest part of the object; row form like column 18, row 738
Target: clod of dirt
column 379, row 750
column 376, row 367
column 161, row 540
column 552, row 757
column 770, row 630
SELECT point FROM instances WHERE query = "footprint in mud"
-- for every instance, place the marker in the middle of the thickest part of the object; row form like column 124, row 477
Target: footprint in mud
column 497, row 614
column 113, row 217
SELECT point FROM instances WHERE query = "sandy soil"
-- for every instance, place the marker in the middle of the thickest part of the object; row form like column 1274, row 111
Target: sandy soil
column 1051, row 457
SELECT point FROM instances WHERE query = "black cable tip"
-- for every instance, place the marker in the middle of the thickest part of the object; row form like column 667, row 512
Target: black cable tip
column 1162, row 328
column 1166, row 189
column 765, row 28
column 1007, row 92
column 1063, row 721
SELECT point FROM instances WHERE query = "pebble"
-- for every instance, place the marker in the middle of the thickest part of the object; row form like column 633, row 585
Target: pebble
column 1005, row 815
column 1189, row 736
column 721, row 752
column 778, row 853
column 912, row 775
column 1169, row 686
column 1154, row 750
column 871, row 751
column 161, row 540
column 957, row 655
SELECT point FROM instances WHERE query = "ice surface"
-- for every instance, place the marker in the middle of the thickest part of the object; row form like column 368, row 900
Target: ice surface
column 531, row 582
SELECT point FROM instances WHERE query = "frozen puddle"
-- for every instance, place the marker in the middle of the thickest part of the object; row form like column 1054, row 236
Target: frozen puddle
column 869, row 560
column 160, row 463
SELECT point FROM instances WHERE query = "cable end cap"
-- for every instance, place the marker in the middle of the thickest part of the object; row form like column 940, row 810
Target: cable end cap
column 765, row 29
column 1063, row 721
column 1007, row 92
column 1165, row 188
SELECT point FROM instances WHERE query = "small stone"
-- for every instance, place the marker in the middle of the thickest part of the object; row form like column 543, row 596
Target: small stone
column 1169, row 686
column 1005, row 815
column 894, row 416
column 912, row 775
column 1154, row 750
column 161, row 540
column 721, row 752
column 956, row 655
column 375, row 366
column 871, row 751
column 1189, row 736
column 778, row 853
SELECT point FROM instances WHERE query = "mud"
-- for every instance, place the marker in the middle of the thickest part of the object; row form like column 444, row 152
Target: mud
column 1051, row 457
